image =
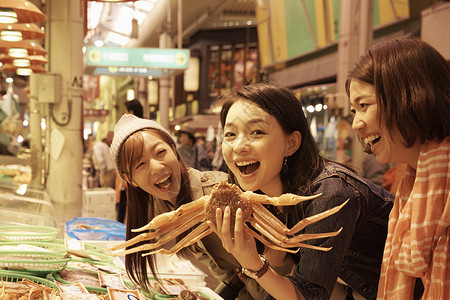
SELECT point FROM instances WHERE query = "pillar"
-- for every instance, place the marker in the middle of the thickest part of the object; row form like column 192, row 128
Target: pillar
column 164, row 87
column 64, row 46
column 355, row 36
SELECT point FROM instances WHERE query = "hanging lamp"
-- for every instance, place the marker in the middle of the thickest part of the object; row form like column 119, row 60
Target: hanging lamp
column 19, row 31
column 112, row 1
column 22, row 48
column 34, row 59
column 20, row 11
column 24, row 71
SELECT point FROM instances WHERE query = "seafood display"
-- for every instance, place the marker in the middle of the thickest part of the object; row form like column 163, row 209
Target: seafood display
column 27, row 289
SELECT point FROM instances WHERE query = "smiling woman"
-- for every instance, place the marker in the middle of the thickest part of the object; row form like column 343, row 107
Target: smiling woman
column 400, row 97
column 269, row 149
column 160, row 185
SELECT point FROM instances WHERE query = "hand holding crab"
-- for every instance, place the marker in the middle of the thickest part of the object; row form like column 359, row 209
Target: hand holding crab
column 274, row 234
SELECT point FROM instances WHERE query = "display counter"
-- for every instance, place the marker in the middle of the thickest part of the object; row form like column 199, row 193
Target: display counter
column 33, row 260
column 22, row 206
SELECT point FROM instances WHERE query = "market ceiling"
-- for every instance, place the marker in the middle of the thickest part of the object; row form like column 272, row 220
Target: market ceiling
column 113, row 23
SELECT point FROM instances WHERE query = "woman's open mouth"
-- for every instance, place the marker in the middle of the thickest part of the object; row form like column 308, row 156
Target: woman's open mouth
column 247, row 167
column 165, row 182
column 371, row 140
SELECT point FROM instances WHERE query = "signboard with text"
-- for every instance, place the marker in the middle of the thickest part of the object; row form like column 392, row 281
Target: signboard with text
column 153, row 58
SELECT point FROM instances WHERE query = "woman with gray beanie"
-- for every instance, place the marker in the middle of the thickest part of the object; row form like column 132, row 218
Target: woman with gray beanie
column 158, row 181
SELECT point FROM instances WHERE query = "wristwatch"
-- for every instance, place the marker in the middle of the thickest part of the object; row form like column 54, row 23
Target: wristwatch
column 259, row 273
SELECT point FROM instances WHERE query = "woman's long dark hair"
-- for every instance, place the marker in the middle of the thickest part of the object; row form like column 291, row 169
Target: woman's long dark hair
column 141, row 205
column 306, row 163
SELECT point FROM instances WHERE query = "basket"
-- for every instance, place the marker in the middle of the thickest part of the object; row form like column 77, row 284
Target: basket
column 12, row 276
column 28, row 233
column 87, row 246
column 101, row 290
column 33, row 261
column 49, row 246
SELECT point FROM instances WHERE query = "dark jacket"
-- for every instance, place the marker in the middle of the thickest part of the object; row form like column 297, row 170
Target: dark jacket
column 357, row 251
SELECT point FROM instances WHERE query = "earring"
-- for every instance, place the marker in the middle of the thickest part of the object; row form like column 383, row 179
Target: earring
column 285, row 166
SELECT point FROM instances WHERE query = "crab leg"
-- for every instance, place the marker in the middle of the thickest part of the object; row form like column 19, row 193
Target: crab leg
column 165, row 239
column 267, row 224
column 162, row 219
column 151, row 235
column 273, row 229
column 312, row 219
column 282, row 246
column 283, row 200
column 310, row 236
column 277, row 237
column 263, row 240
column 197, row 234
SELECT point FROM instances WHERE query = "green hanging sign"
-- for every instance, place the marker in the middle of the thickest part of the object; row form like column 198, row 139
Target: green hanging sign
column 156, row 58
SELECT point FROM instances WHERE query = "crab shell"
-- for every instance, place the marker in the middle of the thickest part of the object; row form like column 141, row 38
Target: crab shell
column 223, row 195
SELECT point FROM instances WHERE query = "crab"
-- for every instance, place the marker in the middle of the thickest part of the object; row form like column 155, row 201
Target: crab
column 274, row 234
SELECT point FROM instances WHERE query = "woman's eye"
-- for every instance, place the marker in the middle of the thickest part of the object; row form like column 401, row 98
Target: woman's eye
column 364, row 105
column 139, row 165
column 228, row 134
column 258, row 132
column 161, row 151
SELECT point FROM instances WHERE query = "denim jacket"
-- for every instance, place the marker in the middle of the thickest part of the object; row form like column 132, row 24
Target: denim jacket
column 357, row 251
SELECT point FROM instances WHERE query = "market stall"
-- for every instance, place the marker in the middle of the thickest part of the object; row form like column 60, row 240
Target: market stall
column 36, row 264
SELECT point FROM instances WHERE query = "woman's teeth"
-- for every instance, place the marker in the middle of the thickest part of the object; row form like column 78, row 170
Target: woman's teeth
column 247, row 167
column 164, row 183
column 372, row 139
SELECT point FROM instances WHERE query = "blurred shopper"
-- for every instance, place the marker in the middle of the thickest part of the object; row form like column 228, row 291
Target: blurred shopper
column 103, row 163
column 187, row 146
column 400, row 98
column 135, row 107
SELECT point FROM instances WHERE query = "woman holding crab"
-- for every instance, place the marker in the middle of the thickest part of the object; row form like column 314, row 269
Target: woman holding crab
column 158, row 182
column 268, row 147
column 400, row 98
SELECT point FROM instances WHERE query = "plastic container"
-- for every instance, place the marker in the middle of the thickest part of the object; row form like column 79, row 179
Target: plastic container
column 95, row 229
column 10, row 217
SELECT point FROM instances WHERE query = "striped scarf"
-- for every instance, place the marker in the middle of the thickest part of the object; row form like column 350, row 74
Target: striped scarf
column 418, row 238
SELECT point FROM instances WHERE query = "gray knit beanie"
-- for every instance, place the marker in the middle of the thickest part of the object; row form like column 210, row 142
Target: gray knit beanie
column 127, row 125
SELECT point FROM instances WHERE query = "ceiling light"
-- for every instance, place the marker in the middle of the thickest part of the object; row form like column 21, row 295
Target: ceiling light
column 8, row 15
column 32, row 47
column 99, row 43
column 34, row 59
column 113, row 0
column 21, row 62
column 24, row 71
column 28, row 31
column 17, row 52
column 10, row 35
column 25, row 11
column 318, row 107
